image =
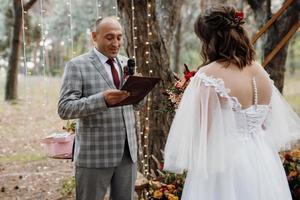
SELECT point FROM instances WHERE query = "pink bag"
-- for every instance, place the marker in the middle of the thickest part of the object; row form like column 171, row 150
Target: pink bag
column 59, row 145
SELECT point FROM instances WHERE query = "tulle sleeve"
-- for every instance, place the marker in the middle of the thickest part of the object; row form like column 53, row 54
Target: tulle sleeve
column 282, row 124
column 196, row 139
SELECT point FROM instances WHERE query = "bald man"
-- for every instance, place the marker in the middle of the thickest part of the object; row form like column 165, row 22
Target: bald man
column 106, row 149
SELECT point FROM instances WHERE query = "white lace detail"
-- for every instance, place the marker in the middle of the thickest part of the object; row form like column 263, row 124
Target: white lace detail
column 220, row 88
column 248, row 120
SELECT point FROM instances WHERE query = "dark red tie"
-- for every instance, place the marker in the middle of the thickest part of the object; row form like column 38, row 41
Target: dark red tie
column 114, row 72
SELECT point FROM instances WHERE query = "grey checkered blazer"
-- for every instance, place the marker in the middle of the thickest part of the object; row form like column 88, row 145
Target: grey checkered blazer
column 100, row 131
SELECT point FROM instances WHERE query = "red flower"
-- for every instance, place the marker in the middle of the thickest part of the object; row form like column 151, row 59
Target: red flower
column 161, row 166
column 239, row 16
column 296, row 192
column 188, row 75
column 288, row 157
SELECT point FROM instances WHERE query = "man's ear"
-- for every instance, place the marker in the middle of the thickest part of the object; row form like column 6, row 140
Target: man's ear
column 94, row 35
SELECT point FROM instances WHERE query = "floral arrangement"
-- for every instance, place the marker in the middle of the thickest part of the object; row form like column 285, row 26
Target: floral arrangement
column 176, row 91
column 168, row 186
column 70, row 126
column 291, row 164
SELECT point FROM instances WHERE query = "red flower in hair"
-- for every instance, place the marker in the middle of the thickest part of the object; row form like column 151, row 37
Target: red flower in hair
column 239, row 16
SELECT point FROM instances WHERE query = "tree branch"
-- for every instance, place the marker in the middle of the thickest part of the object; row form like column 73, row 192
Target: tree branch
column 29, row 4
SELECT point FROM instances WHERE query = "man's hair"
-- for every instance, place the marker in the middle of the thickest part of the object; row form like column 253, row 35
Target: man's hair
column 100, row 19
column 223, row 36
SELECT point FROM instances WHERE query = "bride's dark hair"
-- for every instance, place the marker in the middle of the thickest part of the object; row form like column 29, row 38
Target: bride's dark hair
column 223, row 36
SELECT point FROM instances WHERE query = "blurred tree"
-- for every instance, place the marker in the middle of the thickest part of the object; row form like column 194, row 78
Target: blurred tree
column 185, row 37
column 164, row 16
column 293, row 54
column 262, row 12
column 7, row 27
column 83, row 17
column 177, row 44
column 36, row 39
column 184, row 34
column 12, row 73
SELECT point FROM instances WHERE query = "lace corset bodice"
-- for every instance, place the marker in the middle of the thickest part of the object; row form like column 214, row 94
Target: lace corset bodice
column 249, row 120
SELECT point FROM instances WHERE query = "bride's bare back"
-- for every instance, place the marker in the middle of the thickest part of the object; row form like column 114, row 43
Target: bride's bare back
column 240, row 82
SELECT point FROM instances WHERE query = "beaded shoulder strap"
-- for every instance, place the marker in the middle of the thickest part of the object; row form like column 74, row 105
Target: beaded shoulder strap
column 255, row 97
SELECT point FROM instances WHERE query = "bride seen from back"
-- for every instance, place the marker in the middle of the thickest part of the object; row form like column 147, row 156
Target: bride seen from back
column 231, row 121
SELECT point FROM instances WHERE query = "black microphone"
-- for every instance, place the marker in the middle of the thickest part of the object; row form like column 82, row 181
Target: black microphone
column 131, row 66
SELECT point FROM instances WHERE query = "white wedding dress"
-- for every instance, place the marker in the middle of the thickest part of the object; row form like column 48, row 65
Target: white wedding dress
column 230, row 153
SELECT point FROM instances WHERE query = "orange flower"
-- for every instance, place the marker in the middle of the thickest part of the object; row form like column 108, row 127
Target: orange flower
column 296, row 153
column 171, row 188
column 293, row 173
column 158, row 194
column 172, row 197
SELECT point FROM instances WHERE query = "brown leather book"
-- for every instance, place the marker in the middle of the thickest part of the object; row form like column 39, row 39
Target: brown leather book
column 138, row 87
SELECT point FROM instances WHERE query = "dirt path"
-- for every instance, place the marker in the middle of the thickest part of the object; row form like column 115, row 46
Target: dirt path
column 25, row 171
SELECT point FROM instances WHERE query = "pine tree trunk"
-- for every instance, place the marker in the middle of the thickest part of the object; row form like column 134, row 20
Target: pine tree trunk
column 164, row 17
column 177, row 47
column 12, row 73
column 276, row 68
column 292, row 56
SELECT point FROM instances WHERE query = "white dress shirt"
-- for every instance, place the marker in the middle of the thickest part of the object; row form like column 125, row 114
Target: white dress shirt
column 107, row 67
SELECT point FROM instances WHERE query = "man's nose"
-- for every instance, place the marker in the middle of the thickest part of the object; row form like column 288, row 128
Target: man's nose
column 116, row 42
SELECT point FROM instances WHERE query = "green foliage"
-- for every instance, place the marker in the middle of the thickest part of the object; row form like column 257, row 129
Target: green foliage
column 67, row 187
column 70, row 126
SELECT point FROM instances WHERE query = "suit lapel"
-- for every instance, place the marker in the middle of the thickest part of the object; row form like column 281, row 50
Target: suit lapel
column 100, row 68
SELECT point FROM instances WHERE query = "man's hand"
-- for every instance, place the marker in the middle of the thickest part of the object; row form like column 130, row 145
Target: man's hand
column 114, row 96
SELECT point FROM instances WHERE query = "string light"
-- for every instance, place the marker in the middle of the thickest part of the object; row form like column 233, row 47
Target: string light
column 24, row 40
column 138, row 125
column 24, row 59
column 143, row 145
column 133, row 28
column 42, row 46
column 142, row 137
column 147, row 122
column 98, row 7
column 69, row 3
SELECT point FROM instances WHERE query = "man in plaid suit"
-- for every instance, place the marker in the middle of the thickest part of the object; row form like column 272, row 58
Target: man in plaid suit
column 106, row 148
